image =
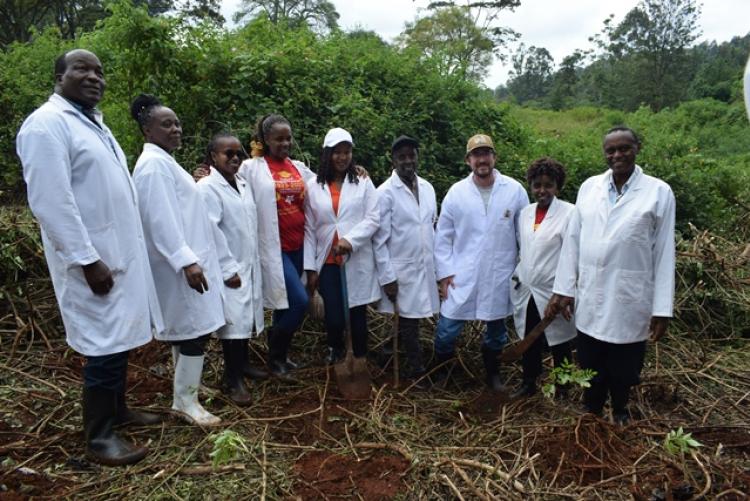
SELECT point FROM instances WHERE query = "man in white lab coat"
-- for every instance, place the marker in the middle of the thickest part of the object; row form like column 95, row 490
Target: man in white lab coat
column 617, row 261
column 81, row 192
column 404, row 249
column 475, row 254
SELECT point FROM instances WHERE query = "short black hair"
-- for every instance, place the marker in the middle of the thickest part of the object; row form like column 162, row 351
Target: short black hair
column 61, row 63
column 623, row 128
column 547, row 166
column 142, row 107
column 211, row 148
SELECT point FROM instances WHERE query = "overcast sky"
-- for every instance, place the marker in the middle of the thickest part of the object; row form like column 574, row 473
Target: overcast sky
column 560, row 27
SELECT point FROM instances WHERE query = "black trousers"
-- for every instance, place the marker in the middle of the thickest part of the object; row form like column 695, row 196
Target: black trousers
column 193, row 347
column 532, row 358
column 618, row 368
column 107, row 371
column 329, row 284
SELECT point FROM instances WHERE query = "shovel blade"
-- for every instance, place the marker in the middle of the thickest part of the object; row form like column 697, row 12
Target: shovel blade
column 353, row 378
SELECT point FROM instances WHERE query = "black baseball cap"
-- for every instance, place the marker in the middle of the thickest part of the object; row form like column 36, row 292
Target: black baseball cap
column 404, row 140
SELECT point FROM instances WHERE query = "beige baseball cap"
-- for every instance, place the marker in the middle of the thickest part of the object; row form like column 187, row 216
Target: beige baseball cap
column 479, row 141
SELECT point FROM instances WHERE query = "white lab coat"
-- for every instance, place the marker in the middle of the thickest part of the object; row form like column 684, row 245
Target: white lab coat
column 618, row 261
column 404, row 247
column 259, row 179
column 235, row 214
column 178, row 234
column 80, row 190
column 478, row 248
column 538, row 256
column 357, row 221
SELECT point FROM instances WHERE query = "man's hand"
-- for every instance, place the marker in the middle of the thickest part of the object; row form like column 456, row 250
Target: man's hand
column 443, row 287
column 195, row 278
column 312, row 282
column 391, row 290
column 560, row 304
column 658, row 327
column 200, row 172
column 233, row 282
column 99, row 277
column 342, row 247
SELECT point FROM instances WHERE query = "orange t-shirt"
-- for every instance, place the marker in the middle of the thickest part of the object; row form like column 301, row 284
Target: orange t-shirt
column 539, row 217
column 290, row 198
column 335, row 195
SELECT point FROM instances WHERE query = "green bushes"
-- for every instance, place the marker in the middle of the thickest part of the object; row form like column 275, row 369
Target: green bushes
column 216, row 79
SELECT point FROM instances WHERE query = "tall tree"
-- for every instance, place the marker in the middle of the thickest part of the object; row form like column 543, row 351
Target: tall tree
column 531, row 75
column 653, row 39
column 462, row 36
column 320, row 15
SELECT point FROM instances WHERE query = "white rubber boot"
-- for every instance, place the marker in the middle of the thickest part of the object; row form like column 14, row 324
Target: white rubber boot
column 187, row 379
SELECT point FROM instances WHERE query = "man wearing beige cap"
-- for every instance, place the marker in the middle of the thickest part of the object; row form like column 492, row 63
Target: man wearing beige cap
column 475, row 253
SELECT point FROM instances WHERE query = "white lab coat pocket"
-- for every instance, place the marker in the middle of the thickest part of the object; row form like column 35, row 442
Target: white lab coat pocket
column 105, row 241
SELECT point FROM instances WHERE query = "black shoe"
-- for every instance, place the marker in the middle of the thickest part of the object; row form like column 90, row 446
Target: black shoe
column 103, row 445
column 442, row 361
column 621, row 418
column 251, row 371
column 278, row 368
column 291, row 365
column 137, row 418
column 234, row 362
column 334, row 356
column 491, row 361
column 415, row 378
column 254, row 373
column 527, row 389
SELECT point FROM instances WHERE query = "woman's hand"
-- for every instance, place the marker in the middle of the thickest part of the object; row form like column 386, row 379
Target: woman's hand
column 201, row 171
column 195, row 278
column 443, row 287
column 342, row 247
column 233, row 282
column 312, row 282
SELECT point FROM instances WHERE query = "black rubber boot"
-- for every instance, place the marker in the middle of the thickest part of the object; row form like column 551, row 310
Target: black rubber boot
column 277, row 353
column 250, row 371
column 491, row 361
column 234, row 383
column 527, row 389
column 103, row 446
column 440, row 376
column 409, row 338
column 128, row 416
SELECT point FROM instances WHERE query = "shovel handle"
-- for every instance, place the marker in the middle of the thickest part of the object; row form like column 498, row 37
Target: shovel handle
column 515, row 351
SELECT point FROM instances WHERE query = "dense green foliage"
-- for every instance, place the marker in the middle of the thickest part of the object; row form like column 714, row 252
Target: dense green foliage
column 701, row 148
column 648, row 58
column 217, row 79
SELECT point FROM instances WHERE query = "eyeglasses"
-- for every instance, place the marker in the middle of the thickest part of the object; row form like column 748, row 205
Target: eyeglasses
column 238, row 153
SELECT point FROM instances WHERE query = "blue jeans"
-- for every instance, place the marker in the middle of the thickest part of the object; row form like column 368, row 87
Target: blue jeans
column 106, row 371
column 494, row 338
column 289, row 320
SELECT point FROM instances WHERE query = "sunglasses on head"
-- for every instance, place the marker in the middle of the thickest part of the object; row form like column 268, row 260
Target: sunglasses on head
column 238, row 153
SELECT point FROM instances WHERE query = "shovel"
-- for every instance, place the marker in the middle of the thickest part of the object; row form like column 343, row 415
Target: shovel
column 518, row 349
column 395, row 345
column 351, row 373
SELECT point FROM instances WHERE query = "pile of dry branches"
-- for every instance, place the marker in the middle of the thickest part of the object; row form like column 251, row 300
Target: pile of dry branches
column 303, row 440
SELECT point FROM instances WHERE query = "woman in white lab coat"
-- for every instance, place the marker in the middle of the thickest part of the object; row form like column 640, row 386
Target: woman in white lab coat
column 341, row 216
column 183, row 253
column 540, row 231
column 278, row 185
column 231, row 207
